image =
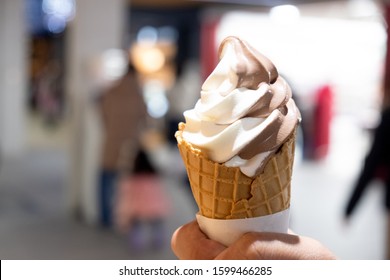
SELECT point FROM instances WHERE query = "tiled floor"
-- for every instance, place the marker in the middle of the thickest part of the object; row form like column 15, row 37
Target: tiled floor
column 34, row 223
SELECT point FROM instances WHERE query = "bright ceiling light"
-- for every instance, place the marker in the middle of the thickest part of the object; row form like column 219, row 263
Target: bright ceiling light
column 285, row 14
column 147, row 58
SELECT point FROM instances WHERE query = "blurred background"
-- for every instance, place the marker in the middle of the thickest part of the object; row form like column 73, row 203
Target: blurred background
column 67, row 68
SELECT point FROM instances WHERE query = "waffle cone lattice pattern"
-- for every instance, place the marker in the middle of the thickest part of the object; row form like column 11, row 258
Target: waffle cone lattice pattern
column 226, row 193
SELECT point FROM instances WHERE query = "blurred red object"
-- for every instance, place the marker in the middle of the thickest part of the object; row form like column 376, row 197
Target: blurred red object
column 322, row 120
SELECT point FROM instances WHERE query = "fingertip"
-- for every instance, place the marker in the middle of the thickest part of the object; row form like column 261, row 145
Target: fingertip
column 174, row 240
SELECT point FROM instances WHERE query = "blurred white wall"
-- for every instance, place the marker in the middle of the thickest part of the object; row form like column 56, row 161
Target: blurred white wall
column 13, row 77
column 98, row 26
column 342, row 44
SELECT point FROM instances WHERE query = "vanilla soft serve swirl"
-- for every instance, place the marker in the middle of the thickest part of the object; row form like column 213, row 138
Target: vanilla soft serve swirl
column 245, row 112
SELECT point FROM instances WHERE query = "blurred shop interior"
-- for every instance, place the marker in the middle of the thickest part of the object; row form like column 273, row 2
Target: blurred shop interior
column 61, row 59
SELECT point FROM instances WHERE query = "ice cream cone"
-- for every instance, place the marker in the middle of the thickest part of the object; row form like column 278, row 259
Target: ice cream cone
column 223, row 192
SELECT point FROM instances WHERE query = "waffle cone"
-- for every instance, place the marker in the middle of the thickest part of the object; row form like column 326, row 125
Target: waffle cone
column 223, row 192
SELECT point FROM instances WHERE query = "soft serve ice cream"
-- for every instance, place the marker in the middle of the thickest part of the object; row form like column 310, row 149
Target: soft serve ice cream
column 237, row 145
column 245, row 112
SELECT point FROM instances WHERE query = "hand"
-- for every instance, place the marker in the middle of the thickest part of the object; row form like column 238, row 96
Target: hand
column 189, row 242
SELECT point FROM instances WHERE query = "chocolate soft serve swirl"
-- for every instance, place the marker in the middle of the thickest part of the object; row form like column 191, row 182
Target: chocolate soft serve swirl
column 245, row 112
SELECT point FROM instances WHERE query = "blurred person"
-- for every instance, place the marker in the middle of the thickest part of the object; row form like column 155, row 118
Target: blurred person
column 189, row 242
column 142, row 204
column 376, row 165
column 123, row 114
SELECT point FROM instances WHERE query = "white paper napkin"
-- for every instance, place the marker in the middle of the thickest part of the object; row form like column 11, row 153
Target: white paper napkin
column 228, row 231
